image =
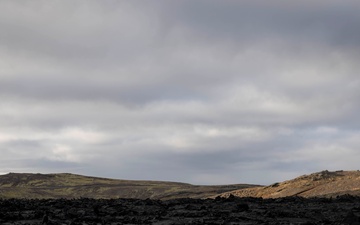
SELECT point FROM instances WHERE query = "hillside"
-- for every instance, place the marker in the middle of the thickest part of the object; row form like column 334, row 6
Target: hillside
column 65, row 185
column 321, row 184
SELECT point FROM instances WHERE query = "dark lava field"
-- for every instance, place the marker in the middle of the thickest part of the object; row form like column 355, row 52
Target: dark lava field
column 232, row 210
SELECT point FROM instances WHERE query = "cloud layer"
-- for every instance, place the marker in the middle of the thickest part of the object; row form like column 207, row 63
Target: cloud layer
column 206, row 92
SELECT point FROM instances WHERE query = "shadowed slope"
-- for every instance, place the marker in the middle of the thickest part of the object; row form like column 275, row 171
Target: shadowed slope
column 65, row 185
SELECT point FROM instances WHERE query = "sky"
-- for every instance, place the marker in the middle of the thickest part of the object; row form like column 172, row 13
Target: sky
column 202, row 92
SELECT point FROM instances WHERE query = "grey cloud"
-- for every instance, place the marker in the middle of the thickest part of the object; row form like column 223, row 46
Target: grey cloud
column 23, row 143
column 332, row 22
column 231, row 16
column 55, row 88
column 56, row 166
column 73, row 30
column 194, row 91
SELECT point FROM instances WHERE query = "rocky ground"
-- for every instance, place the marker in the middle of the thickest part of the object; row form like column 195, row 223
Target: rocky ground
column 232, row 210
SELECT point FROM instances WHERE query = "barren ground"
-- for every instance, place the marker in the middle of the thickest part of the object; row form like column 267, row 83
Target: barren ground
column 233, row 210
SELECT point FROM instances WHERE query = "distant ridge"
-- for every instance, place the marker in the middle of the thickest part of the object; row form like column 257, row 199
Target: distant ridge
column 67, row 185
column 320, row 184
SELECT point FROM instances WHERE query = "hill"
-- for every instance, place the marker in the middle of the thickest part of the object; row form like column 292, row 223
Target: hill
column 65, row 185
column 321, row 184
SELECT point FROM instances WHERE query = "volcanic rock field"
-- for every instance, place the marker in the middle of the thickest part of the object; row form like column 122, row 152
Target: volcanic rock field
column 66, row 199
column 233, row 210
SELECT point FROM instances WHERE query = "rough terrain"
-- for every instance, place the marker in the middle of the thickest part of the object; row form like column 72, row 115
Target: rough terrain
column 292, row 210
column 318, row 198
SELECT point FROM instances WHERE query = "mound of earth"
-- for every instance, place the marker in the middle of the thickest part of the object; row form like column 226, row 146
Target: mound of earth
column 321, row 184
column 65, row 185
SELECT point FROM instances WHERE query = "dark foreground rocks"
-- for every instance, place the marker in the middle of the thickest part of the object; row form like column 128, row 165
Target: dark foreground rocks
column 232, row 210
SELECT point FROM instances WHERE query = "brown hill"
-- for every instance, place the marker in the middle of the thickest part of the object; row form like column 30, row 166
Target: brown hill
column 321, row 184
column 65, row 185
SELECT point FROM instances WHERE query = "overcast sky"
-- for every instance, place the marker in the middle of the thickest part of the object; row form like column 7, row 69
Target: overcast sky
column 204, row 92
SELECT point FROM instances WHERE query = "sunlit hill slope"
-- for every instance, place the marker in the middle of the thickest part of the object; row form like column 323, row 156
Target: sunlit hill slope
column 321, row 184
